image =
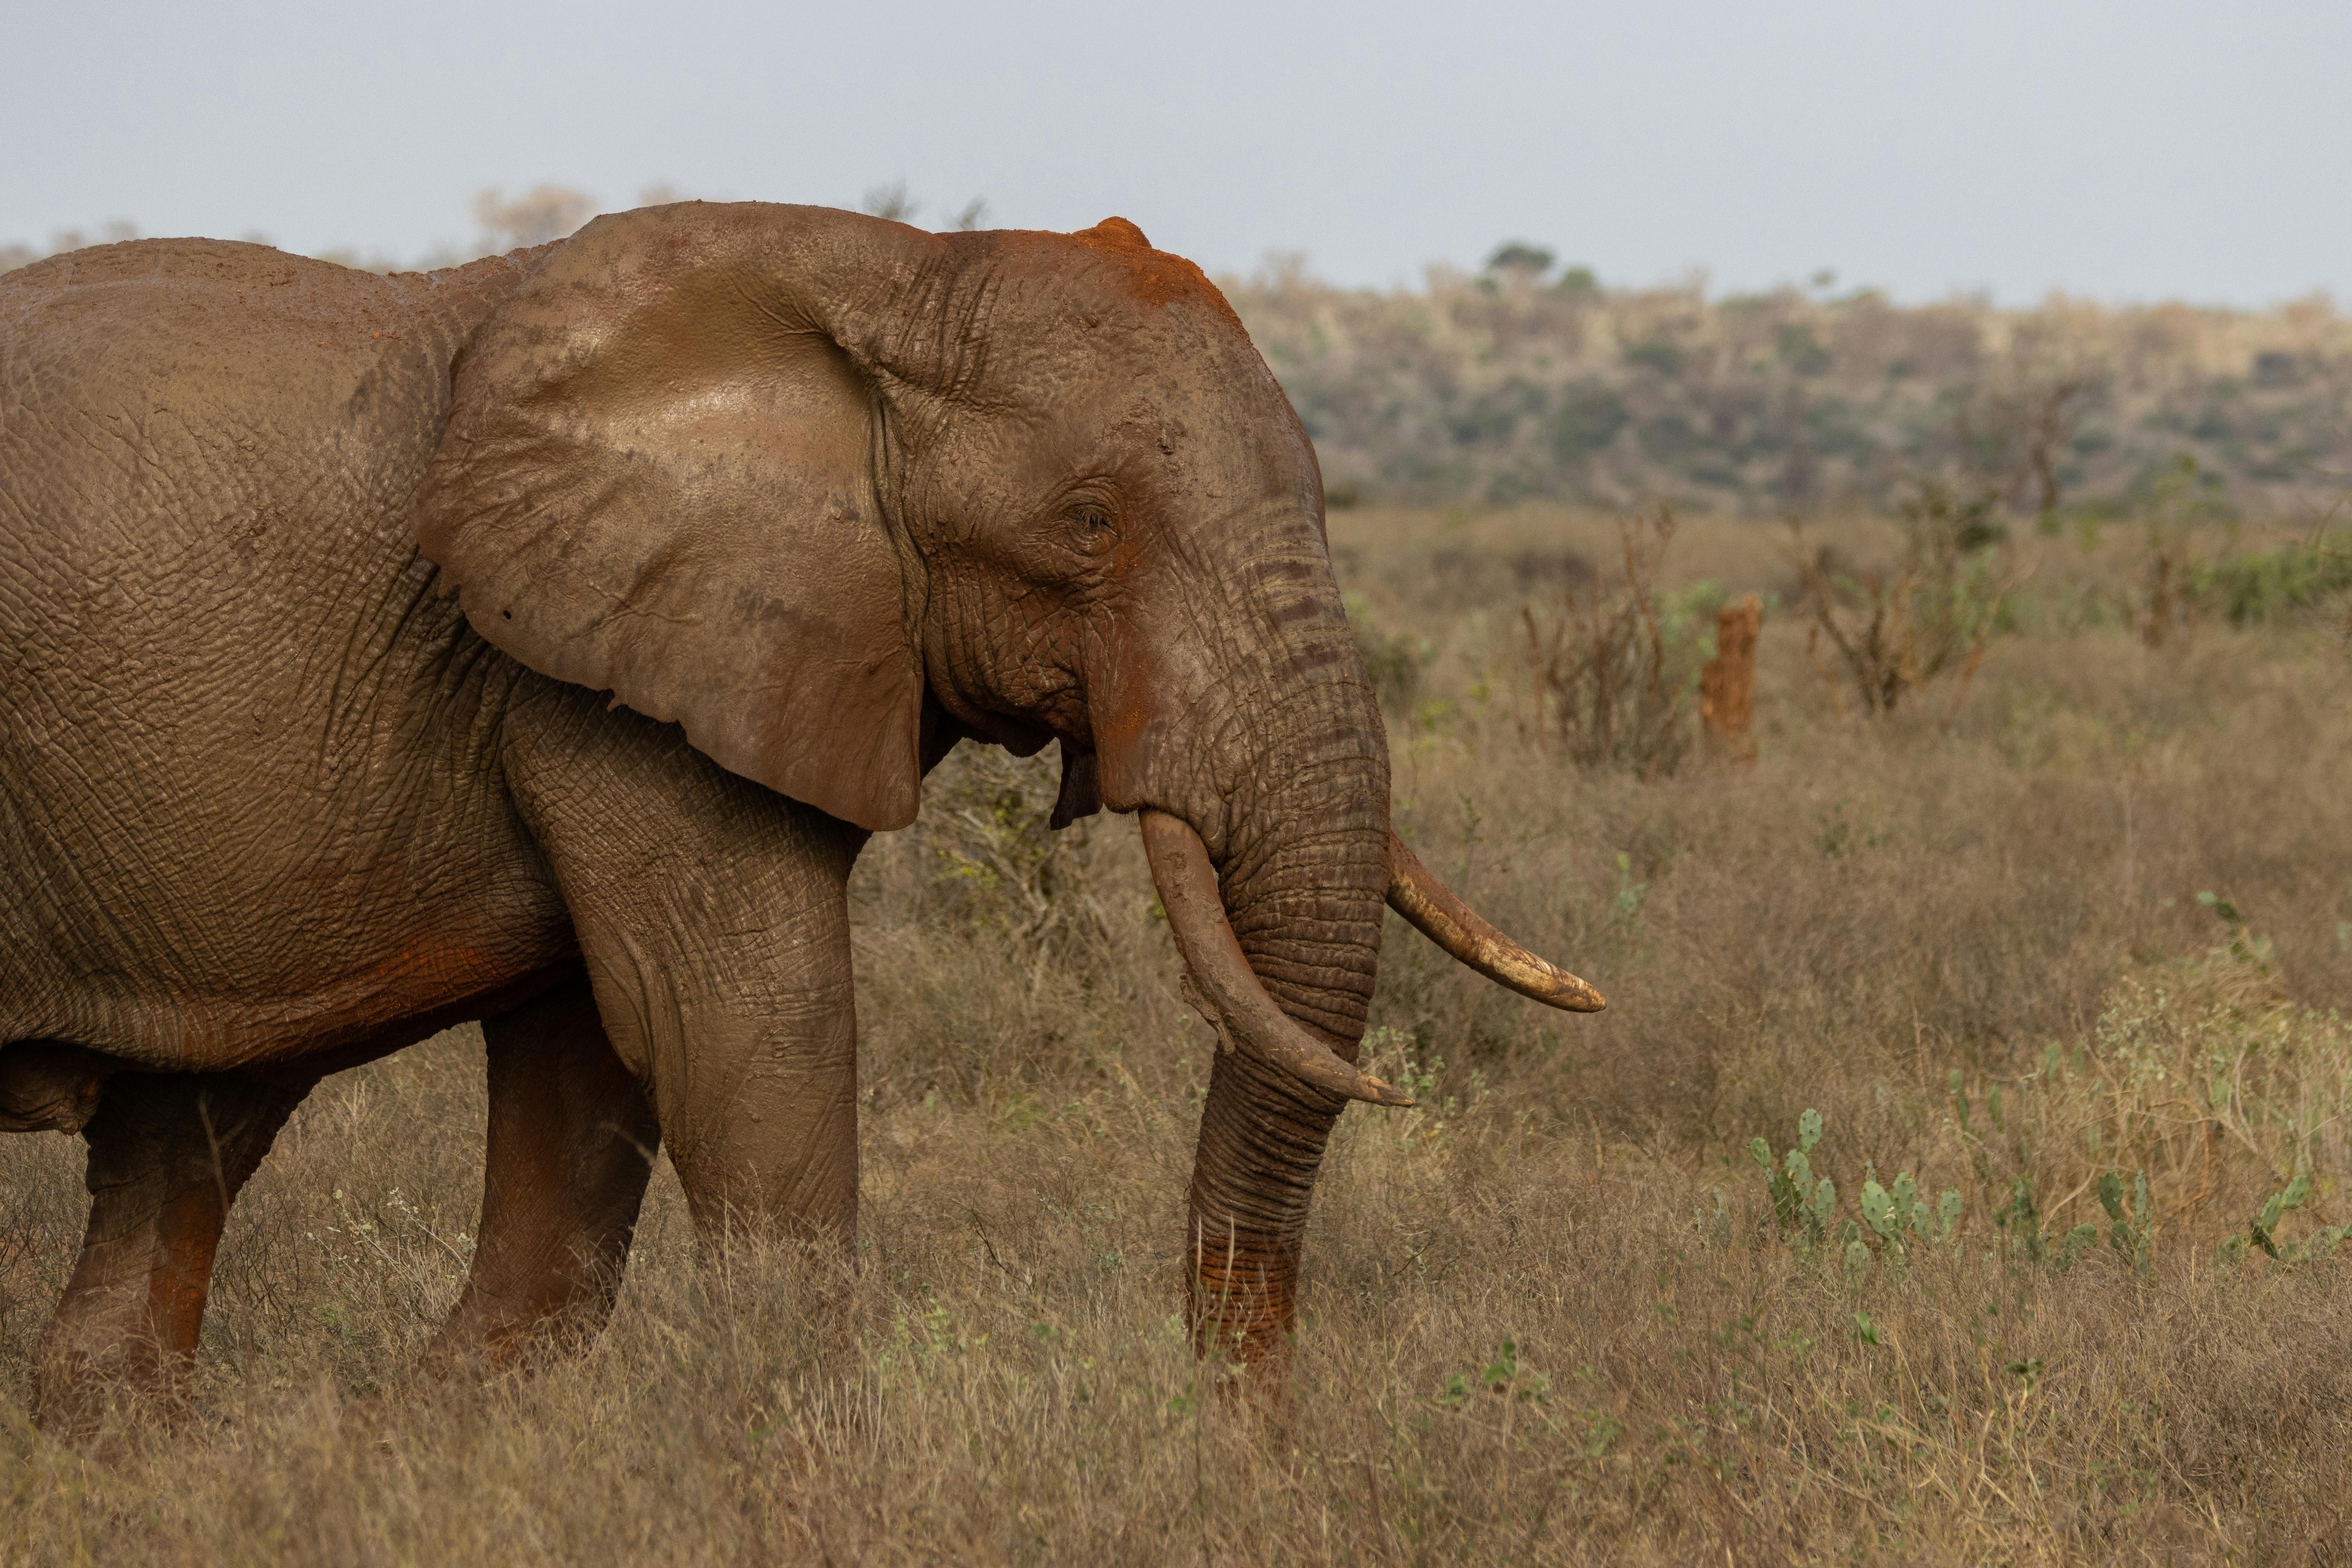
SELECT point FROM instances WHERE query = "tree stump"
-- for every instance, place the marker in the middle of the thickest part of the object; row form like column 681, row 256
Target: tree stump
column 1727, row 683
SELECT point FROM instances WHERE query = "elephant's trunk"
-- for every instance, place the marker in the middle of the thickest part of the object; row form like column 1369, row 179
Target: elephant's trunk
column 1274, row 868
column 1226, row 989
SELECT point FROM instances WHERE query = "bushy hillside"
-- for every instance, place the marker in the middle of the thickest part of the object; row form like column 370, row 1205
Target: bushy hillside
column 1520, row 384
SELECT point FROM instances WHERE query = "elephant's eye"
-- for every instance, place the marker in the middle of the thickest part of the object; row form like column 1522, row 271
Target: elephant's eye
column 1091, row 528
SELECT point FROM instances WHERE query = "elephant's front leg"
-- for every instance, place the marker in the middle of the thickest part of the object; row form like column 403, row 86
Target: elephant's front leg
column 713, row 916
column 750, row 1049
column 571, row 1145
column 749, row 1043
column 765, row 1115
column 168, row 1154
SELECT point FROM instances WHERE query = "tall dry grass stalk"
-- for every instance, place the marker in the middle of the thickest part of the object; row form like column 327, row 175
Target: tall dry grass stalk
column 1727, row 683
column 1556, row 1316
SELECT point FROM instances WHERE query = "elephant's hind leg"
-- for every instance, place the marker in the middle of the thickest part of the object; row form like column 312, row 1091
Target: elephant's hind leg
column 168, row 1153
column 571, row 1146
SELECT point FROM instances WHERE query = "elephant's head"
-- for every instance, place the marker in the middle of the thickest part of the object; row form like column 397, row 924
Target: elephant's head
column 833, row 492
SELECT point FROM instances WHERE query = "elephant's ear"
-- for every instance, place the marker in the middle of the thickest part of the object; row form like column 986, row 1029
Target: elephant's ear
column 658, row 478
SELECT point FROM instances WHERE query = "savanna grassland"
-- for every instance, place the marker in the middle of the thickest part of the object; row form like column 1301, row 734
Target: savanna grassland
column 2043, row 973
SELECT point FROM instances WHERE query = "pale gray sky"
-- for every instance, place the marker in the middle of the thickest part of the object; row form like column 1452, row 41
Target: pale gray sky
column 2122, row 151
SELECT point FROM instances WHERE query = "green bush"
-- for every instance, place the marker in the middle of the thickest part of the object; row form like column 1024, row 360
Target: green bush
column 995, row 862
column 1615, row 662
column 2271, row 584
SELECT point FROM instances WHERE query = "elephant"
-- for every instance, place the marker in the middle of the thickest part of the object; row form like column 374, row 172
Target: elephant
column 538, row 642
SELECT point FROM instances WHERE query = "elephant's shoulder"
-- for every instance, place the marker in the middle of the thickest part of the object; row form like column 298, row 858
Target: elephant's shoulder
column 162, row 260
column 201, row 326
column 226, row 398
column 236, row 304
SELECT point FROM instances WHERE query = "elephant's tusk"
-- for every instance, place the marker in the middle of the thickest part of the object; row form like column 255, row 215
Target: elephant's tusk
column 1196, row 913
column 1456, row 927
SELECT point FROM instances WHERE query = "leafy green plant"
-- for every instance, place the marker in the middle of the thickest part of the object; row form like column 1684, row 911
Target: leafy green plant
column 995, row 861
column 1802, row 1203
column 2269, row 585
column 2020, row 1218
column 2179, row 503
column 2263, row 1232
column 1397, row 662
column 2244, row 945
column 1402, row 1056
column 2130, row 1235
column 1896, row 1218
column 1504, row 1376
column 1626, row 906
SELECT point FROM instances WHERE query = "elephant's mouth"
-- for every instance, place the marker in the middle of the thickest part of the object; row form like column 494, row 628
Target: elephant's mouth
column 1237, row 1004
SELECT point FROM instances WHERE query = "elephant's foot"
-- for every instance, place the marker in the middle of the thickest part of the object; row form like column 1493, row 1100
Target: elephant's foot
column 571, row 1146
column 168, row 1154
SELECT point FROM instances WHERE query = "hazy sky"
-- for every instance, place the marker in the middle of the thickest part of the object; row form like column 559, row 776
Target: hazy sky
column 2122, row 151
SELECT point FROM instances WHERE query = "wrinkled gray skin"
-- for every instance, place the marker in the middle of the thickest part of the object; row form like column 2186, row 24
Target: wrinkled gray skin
column 341, row 616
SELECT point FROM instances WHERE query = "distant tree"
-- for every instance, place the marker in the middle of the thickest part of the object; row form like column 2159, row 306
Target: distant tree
column 973, row 212
column 538, row 215
column 1589, row 417
column 1802, row 353
column 1518, row 256
column 2013, row 429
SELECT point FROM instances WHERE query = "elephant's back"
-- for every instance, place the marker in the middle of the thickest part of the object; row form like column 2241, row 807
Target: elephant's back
column 207, row 452
column 165, row 399
column 233, row 710
column 175, row 385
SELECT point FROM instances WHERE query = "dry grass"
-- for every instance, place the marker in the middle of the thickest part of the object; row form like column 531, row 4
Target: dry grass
column 1549, row 1318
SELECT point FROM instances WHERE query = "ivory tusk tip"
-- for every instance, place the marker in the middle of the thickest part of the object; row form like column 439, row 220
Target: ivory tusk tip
column 1552, row 986
column 1583, row 998
column 1454, row 926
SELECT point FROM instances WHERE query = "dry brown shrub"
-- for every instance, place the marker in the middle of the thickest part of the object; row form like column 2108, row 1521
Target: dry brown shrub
column 1896, row 630
column 1613, row 667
